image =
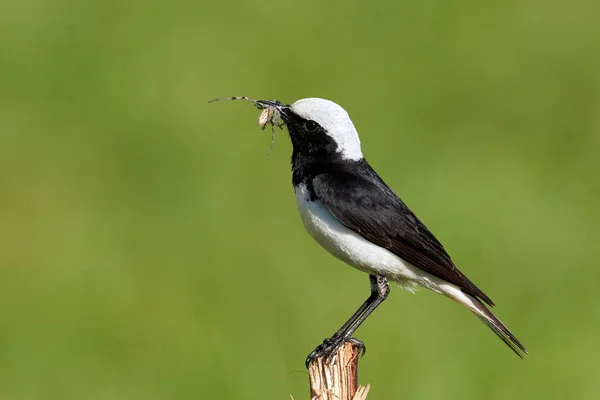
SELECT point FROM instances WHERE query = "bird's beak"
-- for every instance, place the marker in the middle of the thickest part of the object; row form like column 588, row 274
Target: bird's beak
column 283, row 109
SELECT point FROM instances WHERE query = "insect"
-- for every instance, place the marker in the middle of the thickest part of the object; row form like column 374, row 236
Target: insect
column 269, row 115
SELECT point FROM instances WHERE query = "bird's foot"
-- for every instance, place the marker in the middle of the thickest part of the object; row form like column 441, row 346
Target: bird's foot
column 329, row 345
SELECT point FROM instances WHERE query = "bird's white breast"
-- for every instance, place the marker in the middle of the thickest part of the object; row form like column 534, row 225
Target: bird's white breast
column 355, row 250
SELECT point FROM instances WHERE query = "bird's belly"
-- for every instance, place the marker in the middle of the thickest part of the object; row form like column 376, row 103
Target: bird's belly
column 352, row 248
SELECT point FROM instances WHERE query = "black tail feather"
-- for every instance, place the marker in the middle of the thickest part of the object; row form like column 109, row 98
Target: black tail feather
column 499, row 328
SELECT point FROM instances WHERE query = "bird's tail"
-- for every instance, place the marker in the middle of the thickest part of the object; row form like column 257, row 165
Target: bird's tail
column 488, row 318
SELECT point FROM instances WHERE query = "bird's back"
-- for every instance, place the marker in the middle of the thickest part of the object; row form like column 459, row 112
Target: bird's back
column 362, row 202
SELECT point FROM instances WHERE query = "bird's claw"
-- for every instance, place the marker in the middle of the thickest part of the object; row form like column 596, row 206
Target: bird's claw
column 329, row 345
column 362, row 348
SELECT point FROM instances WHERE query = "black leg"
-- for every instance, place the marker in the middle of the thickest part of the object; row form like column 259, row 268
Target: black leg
column 379, row 292
column 370, row 300
column 383, row 289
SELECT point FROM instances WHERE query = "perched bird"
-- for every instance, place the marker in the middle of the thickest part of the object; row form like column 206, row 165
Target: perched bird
column 351, row 212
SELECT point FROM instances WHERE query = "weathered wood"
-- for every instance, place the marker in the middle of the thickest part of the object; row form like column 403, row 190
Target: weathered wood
column 336, row 377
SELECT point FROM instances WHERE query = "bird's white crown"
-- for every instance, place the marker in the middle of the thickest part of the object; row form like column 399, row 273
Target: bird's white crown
column 336, row 122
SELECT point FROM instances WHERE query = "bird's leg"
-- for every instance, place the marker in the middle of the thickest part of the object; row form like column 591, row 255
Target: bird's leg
column 372, row 298
column 383, row 290
column 379, row 292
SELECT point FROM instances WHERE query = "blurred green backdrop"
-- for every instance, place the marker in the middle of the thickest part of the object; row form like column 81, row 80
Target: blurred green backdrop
column 151, row 250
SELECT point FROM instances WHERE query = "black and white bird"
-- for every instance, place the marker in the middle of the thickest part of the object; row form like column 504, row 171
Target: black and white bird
column 351, row 212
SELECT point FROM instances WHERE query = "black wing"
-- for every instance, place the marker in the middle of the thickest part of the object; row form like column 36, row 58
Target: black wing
column 364, row 203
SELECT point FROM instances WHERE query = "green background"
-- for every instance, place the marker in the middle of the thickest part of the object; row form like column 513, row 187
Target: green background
column 150, row 249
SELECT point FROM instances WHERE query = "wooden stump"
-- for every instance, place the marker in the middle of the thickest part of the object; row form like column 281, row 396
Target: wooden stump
column 337, row 378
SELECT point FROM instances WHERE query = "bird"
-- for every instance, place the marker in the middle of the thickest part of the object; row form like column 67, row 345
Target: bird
column 352, row 213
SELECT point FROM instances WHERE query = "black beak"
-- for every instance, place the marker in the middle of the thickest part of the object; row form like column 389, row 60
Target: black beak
column 283, row 109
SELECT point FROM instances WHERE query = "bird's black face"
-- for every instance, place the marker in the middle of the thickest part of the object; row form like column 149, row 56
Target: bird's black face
column 314, row 151
column 309, row 139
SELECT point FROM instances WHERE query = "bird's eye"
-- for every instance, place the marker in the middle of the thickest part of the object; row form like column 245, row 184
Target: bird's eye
column 311, row 126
